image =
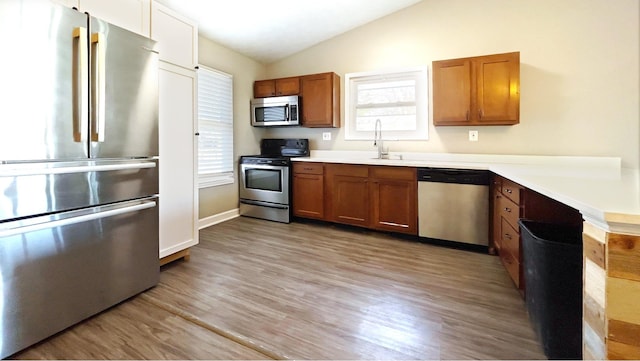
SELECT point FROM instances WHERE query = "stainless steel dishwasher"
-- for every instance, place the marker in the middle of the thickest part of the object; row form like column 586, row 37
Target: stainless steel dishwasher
column 453, row 205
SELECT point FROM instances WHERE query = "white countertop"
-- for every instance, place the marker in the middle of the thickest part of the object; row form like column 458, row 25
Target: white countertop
column 605, row 194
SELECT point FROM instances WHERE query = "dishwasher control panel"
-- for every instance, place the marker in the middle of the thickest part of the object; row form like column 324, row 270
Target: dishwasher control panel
column 457, row 176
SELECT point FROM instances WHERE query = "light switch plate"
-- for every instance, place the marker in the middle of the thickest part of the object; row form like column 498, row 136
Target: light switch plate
column 473, row 135
column 326, row 136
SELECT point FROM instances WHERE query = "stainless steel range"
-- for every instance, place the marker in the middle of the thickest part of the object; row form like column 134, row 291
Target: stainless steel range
column 265, row 179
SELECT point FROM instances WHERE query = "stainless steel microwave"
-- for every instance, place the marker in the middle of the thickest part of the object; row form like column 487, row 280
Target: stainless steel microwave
column 275, row 111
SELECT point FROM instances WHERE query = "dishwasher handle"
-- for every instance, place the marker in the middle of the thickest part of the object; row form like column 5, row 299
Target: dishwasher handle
column 456, row 176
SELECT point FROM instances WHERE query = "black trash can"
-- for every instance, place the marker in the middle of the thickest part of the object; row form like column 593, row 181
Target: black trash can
column 552, row 264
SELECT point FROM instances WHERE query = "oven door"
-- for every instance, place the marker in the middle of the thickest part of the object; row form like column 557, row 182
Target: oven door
column 266, row 183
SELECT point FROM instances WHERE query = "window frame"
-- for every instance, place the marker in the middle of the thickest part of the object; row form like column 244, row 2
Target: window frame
column 217, row 178
column 419, row 73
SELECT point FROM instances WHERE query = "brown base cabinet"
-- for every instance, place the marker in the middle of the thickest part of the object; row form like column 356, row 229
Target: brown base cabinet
column 375, row 197
column 348, row 194
column 394, row 197
column 510, row 203
column 308, row 190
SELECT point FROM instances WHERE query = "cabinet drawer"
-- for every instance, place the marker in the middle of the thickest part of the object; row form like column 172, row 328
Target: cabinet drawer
column 308, row 168
column 512, row 266
column 509, row 211
column 351, row 170
column 497, row 183
column 395, row 173
column 509, row 239
column 511, row 190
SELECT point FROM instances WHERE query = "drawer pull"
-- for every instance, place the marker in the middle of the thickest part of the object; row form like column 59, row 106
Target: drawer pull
column 308, row 168
column 508, row 190
column 507, row 209
column 507, row 236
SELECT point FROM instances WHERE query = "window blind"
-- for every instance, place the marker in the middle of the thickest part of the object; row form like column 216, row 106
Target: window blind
column 215, row 125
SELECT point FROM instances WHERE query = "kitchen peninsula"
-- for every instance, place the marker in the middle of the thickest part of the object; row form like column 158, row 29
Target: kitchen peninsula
column 608, row 198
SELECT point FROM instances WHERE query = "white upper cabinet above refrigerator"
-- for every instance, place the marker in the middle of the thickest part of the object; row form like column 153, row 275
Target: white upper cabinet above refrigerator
column 177, row 36
column 133, row 15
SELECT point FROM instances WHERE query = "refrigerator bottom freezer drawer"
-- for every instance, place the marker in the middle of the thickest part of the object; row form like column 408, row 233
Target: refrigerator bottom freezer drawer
column 57, row 273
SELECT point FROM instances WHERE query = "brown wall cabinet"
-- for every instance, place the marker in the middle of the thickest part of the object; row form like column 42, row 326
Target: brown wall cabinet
column 276, row 87
column 483, row 90
column 510, row 202
column 308, row 190
column 376, row 197
column 320, row 100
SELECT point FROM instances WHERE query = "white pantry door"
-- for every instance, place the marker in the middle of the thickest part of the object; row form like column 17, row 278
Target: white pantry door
column 178, row 159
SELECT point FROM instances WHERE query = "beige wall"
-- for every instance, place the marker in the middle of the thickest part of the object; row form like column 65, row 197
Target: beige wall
column 579, row 72
column 216, row 200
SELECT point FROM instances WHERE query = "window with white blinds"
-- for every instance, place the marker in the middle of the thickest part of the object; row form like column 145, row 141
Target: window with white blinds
column 399, row 99
column 215, row 125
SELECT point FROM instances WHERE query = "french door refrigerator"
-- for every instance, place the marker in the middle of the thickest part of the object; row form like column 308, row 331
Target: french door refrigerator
column 78, row 168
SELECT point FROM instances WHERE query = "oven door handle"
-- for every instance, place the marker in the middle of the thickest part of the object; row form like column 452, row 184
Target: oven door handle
column 263, row 204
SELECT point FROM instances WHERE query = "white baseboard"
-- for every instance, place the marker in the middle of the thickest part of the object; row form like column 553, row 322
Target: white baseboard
column 218, row 218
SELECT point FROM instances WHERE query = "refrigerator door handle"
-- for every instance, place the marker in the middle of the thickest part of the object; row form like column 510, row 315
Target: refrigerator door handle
column 26, row 169
column 80, row 83
column 98, row 87
column 7, row 230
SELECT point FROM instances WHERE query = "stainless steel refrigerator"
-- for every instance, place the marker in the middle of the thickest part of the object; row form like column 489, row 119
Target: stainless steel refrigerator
column 78, row 168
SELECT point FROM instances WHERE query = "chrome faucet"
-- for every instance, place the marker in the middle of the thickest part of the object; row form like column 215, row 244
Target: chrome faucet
column 377, row 140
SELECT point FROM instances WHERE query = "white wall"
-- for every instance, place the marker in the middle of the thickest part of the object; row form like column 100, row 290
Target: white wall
column 215, row 200
column 579, row 72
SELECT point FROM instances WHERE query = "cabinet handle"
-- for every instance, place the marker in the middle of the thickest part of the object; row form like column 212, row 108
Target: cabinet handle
column 507, row 209
column 467, row 115
column 307, row 168
column 507, row 236
column 508, row 190
column 480, row 114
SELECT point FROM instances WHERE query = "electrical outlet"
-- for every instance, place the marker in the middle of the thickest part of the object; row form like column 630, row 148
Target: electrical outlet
column 326, row 136
column 473, row 135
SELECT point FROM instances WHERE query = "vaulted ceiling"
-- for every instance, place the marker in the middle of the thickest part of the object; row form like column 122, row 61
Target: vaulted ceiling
column 269, row 30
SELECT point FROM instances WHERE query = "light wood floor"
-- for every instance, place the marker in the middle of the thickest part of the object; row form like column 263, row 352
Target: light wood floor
column 255, row 289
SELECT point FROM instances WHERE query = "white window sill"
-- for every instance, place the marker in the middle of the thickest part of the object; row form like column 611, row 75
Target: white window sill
column 214, row 180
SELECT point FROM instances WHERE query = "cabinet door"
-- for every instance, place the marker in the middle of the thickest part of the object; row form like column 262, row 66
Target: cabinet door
column 264, row 88
column 452, row 92
column 394, row 204
column 320, row 100
column 176, row 35
column 350, row 200
column 133, row 15
column 308, row 195
column 288, row 86
column 498, row 88
column 178, row 191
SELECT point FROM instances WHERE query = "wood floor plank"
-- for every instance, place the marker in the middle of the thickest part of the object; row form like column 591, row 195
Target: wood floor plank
column 137, row 329
column 310, row 291
column 255, row 289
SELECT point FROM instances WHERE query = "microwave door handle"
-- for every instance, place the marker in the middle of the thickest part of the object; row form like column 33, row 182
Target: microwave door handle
column 286, row 113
